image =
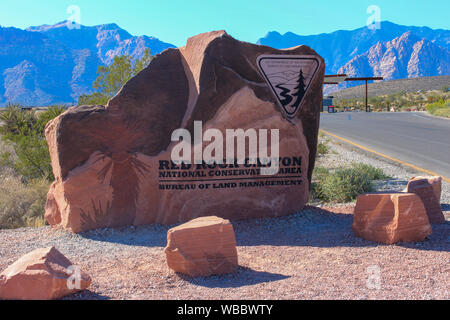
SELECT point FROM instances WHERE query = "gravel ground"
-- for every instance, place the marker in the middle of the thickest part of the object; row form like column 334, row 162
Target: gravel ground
column 310, row 255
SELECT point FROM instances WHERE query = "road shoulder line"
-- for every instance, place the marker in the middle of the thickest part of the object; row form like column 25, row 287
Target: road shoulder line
column 386, row 156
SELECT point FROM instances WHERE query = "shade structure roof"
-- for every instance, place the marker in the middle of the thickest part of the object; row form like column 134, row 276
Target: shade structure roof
column 334, row 79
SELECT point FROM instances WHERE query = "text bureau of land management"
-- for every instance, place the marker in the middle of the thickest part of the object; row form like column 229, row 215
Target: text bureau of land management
column 222, row 176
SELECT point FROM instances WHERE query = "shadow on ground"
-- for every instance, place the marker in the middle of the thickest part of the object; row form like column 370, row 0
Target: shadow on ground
column 316, row 227
column 86, row 295
column 311, row 227
column 243, row 277
column 141, row 236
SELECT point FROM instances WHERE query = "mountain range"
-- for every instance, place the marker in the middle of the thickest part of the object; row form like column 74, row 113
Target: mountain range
column 392, row 51
column 55, row 64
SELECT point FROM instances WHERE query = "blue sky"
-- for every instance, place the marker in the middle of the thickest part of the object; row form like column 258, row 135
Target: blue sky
column 175, row 20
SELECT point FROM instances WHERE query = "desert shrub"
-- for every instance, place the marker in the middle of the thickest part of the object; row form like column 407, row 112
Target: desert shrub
column 25, row 166
column 372, row 172
column 23, row 131
column 439, row 108
column 322, row 148
column 43, row 117
column 22, row 204
column 344, row 184
column 318, row 177
column 443, row 112
column 32, row 157
column 15, row 121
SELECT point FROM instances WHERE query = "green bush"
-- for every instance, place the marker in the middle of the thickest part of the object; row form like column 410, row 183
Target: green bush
column 344, row 184
column 23, row 131
column 32, row 157
column 111, row 78
column 43, row 117
column 95, row 98
column 372, row 172
column 15, row 121
column 319, row 175
column 443, row 112
column 440, row 108
column 25, row 168
column 322, row 148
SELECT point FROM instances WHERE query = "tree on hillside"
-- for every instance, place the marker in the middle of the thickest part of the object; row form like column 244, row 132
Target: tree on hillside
column 111, row 78
column 142, row 63
column 95, row 98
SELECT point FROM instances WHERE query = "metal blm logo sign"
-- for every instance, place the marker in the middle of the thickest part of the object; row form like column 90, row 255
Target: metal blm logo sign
column 289, row 77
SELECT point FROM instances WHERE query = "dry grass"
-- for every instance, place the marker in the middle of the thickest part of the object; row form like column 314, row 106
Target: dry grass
column 444, row 112
column 440, row 108
column 21, row 205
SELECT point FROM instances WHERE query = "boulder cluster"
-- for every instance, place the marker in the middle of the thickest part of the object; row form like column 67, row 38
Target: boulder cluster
column 202, row 247
column 206, row 246
column 112, row 164
column 391, row 217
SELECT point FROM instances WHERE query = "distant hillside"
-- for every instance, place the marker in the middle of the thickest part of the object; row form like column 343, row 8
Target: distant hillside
column 394, row 86
column 392, row 51
column 53, row 64
column 106, row 40
column 407, row 56
column 339, row 47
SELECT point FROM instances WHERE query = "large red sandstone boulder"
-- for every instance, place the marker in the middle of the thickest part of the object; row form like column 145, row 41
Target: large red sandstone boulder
column 112, row 164
column 429, row 191
column 42, row 274
column 390, row 218
column 202, row 247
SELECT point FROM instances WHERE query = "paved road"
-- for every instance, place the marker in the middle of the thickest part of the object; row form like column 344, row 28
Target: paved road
column 415, row 138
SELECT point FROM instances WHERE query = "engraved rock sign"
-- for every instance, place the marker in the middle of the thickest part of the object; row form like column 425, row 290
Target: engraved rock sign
column 113, row 164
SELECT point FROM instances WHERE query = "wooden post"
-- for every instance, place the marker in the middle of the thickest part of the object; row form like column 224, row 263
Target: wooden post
column 367, row 99
column 365, row 79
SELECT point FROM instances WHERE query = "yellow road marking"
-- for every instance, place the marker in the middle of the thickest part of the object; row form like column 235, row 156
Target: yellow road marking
column 387, row 157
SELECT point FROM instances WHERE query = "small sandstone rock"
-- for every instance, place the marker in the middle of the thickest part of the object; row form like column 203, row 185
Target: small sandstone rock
column 202, row 247
column 390, row 218
column 429, row 191
column 42, row 274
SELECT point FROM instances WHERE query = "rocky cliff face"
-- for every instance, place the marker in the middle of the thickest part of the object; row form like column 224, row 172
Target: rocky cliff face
column 106, row 41
column 53, row 64
column 393, row 51
column 407, row 56
column 341, row 46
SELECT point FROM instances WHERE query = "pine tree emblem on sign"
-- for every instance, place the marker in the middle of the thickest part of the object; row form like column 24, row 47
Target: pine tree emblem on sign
column 289, row 77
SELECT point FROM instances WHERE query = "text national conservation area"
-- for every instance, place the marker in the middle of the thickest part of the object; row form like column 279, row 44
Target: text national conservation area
column 222, row 176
